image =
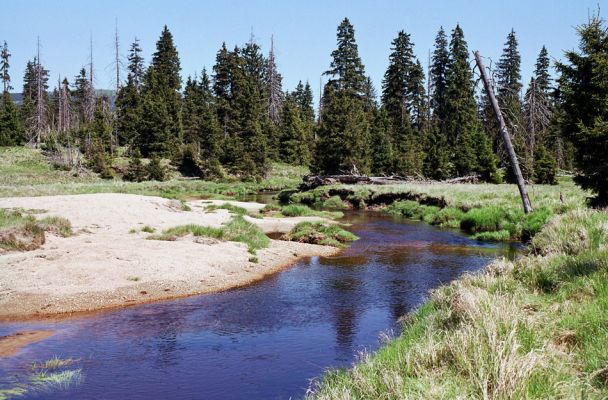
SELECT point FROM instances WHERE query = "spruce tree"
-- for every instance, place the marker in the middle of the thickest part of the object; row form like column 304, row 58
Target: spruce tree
column 303, row 97
column 129, row 112
column 438, row 163
column 439, row 69
column 381, row 147
column 346, row 69
column 294, row 139
column 462, row 124
column 162, row 132
column 343, row 135
column 136, row 64
column 509, row 88
column 584, row 92
column 11, row 127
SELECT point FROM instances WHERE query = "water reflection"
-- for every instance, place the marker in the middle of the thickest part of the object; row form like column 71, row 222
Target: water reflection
column 267, row 340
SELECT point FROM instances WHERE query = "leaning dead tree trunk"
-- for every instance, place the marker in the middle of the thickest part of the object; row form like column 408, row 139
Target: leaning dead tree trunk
column 505, row 134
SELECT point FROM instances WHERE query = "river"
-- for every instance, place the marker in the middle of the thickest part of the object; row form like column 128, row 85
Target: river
column 264, row 341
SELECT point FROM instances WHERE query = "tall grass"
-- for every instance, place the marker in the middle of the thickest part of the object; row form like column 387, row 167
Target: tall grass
column 533, row 328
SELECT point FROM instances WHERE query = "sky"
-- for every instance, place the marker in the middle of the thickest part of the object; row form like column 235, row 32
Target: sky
column 304, row 31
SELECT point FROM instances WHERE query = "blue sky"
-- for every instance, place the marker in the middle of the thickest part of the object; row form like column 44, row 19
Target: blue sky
column 304, row 31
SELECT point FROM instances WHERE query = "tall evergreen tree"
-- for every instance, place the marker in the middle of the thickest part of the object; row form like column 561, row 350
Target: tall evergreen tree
column 11, row 127
column 438, row 152
column 161, row 93
column 4, row 68
column 381, row 145
column 343, row 134
column 509, row 98
column 294, row 139
column 136, row 64
column 584, row 90
column 346, row 69
column 538, row 116
column 463, row 130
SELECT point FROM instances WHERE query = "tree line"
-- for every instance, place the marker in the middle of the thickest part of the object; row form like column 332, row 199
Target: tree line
column 428, row 122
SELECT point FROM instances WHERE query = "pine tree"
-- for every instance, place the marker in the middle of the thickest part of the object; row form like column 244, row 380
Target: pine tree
column 129, row 112
column 81, row 93
column 222, row 75
column 584, row 92
column 303, row 97
column 396, row 95
column 439, row 70
column 11, row 127
column 4, row 68
column 438, row 163
column 343, row 135
column 381, row 147
column 209, row 132
column 161, row 132
column 346, row 69
column 462, row 124
column 136, row 65
column 294, row 139
column 509, row 88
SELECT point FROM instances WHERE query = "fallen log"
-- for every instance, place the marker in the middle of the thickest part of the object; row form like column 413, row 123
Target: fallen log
column 464, row 179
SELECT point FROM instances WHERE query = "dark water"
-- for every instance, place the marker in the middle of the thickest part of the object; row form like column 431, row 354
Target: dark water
column 265, row 341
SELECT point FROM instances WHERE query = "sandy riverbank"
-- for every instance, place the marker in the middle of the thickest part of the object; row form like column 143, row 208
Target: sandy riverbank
column 103, row 265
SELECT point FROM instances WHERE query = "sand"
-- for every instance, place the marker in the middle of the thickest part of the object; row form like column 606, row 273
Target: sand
column 104, row 266
column 11, row 344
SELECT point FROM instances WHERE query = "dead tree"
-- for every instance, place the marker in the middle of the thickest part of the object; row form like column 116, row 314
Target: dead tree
column 505, row 134
column 89, row 106
column 39, row 121
column 117, row 65
column 275, row 92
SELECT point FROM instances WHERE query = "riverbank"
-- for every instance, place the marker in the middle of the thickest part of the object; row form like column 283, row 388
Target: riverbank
column 112, row 260
column 532, row 328
column 487, row 212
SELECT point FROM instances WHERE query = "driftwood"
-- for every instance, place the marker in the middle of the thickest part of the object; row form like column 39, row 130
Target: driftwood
column 313, row 181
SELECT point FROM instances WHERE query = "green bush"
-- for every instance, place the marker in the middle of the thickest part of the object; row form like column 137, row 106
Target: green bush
column 156, row 171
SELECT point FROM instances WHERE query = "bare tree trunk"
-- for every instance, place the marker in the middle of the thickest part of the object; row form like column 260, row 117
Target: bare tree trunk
column 505, row 135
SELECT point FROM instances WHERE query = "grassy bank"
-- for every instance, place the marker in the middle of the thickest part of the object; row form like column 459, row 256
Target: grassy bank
column 27, row 172
column 486, row 211
column 20, row 230
column 533, row 328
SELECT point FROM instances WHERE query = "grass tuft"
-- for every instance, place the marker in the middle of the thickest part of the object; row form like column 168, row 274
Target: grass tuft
column 236, row 230
column 320, row 233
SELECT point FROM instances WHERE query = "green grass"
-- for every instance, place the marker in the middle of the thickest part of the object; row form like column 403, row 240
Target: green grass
column 485, row 211
column 298, row 210
column 335, row 203
column 236, row 230
column 27, row 172
column 320, row 233
column 532, row 328
column 227, row 206
column 148, row 229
